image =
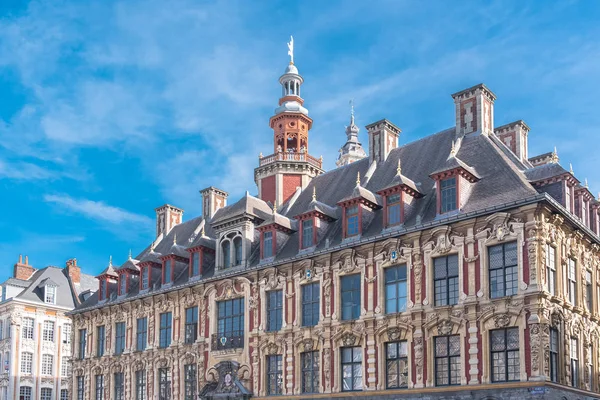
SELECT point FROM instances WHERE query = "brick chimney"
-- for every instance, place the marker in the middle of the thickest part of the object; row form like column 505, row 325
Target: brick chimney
column 514, row 136
column 212, row 200
column 383, row 138
column 167, row 217
column 474, row 111
column 23, row 270
column 73, row 270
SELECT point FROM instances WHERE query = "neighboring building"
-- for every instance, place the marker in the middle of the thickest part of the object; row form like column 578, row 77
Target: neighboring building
column 452, row 266
column 35, row 334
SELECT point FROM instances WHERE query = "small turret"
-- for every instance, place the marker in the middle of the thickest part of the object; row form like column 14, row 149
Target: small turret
column 352, row 150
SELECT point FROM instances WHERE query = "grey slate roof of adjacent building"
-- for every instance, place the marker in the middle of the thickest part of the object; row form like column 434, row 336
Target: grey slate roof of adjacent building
column 545, row 171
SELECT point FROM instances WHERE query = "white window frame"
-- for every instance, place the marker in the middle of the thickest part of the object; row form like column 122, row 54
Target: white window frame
column 26, row 363
column 66, row 333
column 47, row 364
column 48, row 331
column 28, row 329
column 65, row 367
column 50, row 294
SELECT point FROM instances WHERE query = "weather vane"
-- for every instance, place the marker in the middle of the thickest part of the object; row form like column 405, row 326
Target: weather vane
column 291, row 49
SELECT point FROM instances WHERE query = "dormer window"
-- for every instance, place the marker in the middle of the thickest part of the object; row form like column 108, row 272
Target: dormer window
column 102, row 294
column 145, row 277
column 237, row 251
column 394, row 210
column 267, row 244
column 352, row 225
column 122, row 284
column 50, row 295
column 448, row 195
column 568, row 197
column 167, row 271
column 195, row 260
column 308, row 239
column 226, row 248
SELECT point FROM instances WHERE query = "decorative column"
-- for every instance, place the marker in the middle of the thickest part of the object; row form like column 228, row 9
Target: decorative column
column 371, row 359
column 473, row 353
column 289, row 364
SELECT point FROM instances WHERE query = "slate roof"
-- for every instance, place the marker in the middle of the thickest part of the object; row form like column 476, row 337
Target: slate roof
column 545, row 171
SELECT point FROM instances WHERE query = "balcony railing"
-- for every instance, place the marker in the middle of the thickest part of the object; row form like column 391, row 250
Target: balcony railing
column 227, row 340
column 283, row 156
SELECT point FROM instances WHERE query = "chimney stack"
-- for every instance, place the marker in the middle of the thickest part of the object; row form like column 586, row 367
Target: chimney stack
column 73, row 270
column 23, row 270
column 212, row 200
column 383, row 138
column 167, row 217
column 474, row 111
column 514, row 136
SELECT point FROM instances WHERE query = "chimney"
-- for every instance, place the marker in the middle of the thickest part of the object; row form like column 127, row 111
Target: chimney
column 514, row 136
column 383, row 138
column 23, row 270
column 212, row 200
column 474, row 111
column 167, row 217
column 73, row 270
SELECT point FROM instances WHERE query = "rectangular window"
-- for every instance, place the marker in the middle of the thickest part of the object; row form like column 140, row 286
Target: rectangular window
column 167, row 272
column 574, row 362
column 122, row 284
column 119, row 337
column 103, row 290
column 393, row 209
column 446, row 280
column 140, row 384
column 191, row 325
column 310, row 371
column 274, row 310
column 554, row 352
column 190, row 380
column 48, row 331
column 46, row 394
column 141, row 334
column 395, row 289
column 230, row 323
column 64, row 394
column 66, row 333
column 551, row 269
column 65, row 367
column 503, row 261
column 145, row 277
column 50, row 297
column 28, row 324
column 352, row 228
column 572, row 282
column 351, row 368
column 47, row 364
column 165, row 330
column 99, row 387
column 447, row 360
column 588, row 290
column 310, row 304
column 274, row 374
column 350, row 296
column 119, row 386
column 590, row 366
column 25, row 393
column 448, row 194
column 307, row 233
column 504, row 348
column 82, row 343
column 164, row 384
column 80, row 387
column 100, row 340
column 267, row 244
column 396, row 367
column 26, row 363
column 195, row 264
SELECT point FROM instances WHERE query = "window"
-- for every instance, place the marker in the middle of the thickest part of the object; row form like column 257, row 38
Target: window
column 66, row 333
column 165, row 330
column 274, row 310
column 590, row 365
column 274, row 374
column 140, row 384
column 230, row 323
column 65, row 367
column 141, row 334
column 167, row 272
column 351, row 368
column 164, row 384
column 350, row 296
column 189, row 371
column 99, row 387
column 119, row 386
column 80, row 387
column 447, row 360
column 237, row 251
column 47, row 364
column 25, row 393
column 448, row 195
column 572, row 283
column 145, row 277
column 119, row 337
column 64, row 394
column 48, row 331
column 122, row 284
column 26, row 363
column 551, row 269
column 195, row 264
column 100, row 340
column 267, row 244
column 395, row 289
column 446, row 280
column 226, row 250
column 396, row 364
column 588, row 290
column 574, row 362
column 1, row 330
column 28, row 324
column 50, row 296
column 503, row 269
column 310, row 371
column 554, row 352
column 568, row 197
column 393, row 209
column 82, row 343
column 46, row 394
column 352, row 228
column 310, row 304
column 504, row 346
column 191, row 325
column 103, row 290
column 307, row 233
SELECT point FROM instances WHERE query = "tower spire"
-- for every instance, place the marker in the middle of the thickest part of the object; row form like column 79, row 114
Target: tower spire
column 352, row 150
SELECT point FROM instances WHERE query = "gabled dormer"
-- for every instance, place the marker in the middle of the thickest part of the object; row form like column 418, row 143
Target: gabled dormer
column 150, row 268
column 274, row 232
column 176, row 254
column 398, row 199
column 548, row 176
column 453, row 182
column 105, row 279
column 48, row 288
column 358, row 210
column 313, row 223
column 129, row 272
column 202, row 255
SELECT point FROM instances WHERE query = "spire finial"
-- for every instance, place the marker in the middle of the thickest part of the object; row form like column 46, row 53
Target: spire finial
column 129, row 254
column 152, row 247
column 399, row 167
column 110, row 261
column 586, row 184
column 571, row 169
column 351, row 111
column 554, row 158
column 358, row 178
column 275, row 207
column 175, row 238
column 453, row 149
column 314, row 195
column 202, row 231
column 291, row 49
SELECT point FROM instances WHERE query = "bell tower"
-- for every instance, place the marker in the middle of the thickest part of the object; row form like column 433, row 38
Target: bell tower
column 290, row 166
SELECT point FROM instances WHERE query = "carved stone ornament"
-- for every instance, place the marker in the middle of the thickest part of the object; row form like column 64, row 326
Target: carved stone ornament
column 272, row 349
column 445, row 327
column 348, row 339
column 228, row 383
column 308, row 344
column 501, row 320
column 393, row 333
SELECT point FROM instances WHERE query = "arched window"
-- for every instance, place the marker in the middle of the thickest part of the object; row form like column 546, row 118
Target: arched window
column 237, row 246
column 226, row 250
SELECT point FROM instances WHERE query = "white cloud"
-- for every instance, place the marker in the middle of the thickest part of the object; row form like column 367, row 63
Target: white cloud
column 24, row 171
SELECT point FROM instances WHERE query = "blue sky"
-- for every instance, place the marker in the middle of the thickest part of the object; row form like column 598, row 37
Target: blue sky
column 109, row 109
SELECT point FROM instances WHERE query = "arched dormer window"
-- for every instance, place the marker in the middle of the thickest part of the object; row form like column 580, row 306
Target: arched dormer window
column 237, row 247
column 232, row 250
column 226, row 251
